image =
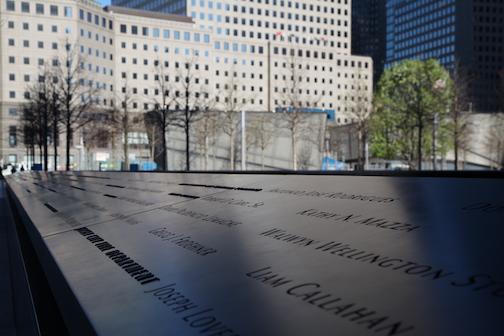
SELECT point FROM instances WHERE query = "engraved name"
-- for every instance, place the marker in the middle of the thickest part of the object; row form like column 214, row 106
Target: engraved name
column 314, row 294
column 334, row 195
column 183, row 241
column 381, row 223
column 481, row 283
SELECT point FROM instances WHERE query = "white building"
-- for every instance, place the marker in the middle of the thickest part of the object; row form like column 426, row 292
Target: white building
column 268, row 53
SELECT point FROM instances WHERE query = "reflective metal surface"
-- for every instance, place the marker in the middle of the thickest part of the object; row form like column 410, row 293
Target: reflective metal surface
column 203, row 254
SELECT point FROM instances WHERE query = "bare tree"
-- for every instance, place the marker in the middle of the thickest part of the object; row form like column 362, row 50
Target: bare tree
column 55, row 119
column 97, row 132
column 359, row 109
column 192, row 98
column 163, row 115
column 205, row 133
column 77, row 93
column 122, row 118
column 296, row 97
column 262, row 132
column 30, row 128
column 460, row 113
column 495, row 140
column 232, row 100
column 42, row 108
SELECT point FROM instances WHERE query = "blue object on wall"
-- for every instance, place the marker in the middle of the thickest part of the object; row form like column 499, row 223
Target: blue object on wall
column 37, row 167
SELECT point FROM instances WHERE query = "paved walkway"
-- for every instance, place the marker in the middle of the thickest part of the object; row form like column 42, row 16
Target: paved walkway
column 7, row 323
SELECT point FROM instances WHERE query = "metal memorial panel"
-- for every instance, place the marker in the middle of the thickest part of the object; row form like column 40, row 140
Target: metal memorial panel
column 216, row 254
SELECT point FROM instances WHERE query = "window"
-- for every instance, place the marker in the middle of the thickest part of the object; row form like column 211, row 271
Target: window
column 176, row 35
column 145, row 31
column 26, row 26
column 12, row 60
column 25, row 7
column 12, row 94
column 68, row 11
column 10, row 5
column 54, row 29
column 123, row 29
column 11, row 43
column 166, row 33
column 134, row 30
column 40, row 27
column 187, row 36
column 12, row 136
column 11, row 24
column 26, row 60
column 12, row 111
column 155, row 32
column 54, row 10
column 12, row 77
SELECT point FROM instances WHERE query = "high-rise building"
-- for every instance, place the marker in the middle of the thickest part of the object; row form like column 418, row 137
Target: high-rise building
column 162, row 6
column 465, row 34
column 368, row 32
column 267, row 53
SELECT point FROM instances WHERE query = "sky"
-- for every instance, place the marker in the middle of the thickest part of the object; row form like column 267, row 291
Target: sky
column 104, row 2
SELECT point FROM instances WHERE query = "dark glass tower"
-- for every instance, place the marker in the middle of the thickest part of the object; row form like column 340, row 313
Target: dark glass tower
column 368, row 32
column 163, row 6
column 468, row 34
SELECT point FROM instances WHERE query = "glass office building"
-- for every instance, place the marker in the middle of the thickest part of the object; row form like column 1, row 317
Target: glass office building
column 468, row 34
column 421, row 30
column 163, row 6
column 368, row 32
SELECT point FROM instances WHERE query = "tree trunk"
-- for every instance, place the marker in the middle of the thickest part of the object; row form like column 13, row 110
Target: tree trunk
column 68, row 141
column 294, row 150
column 188, row 159
column 187, row 128
column 456, row 141
column 205, row 152
column 45, row 132
column 363, row 152
column 420, row 142
column 55, row 144
column 232, row 149
column 165, row 150
column 125, row 149
column 360, row 150
column 41, row 154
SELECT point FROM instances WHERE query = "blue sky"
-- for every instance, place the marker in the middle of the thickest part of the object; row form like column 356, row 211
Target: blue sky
column 105, row 2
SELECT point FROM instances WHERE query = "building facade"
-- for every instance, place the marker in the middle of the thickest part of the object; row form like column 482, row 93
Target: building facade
column 465, row 34
column 368, row 32
column 255, row 56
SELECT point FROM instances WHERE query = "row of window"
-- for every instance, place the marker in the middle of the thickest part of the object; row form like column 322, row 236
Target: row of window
column 165, row 33
column 89, row 34
column 39, row 8
column 308, row 28
column 283, row 4
column 40, row 27
column 90, row 18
